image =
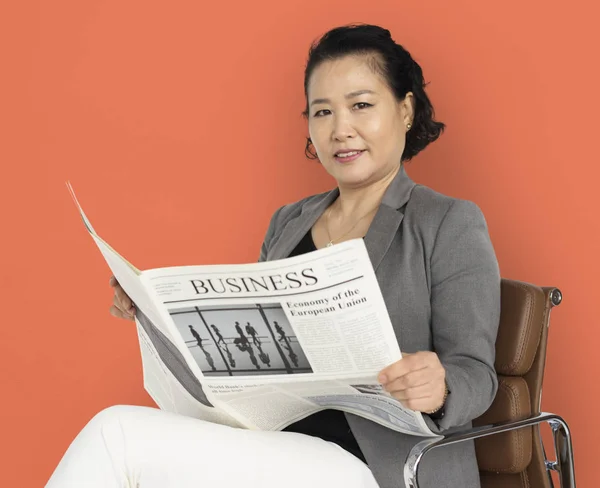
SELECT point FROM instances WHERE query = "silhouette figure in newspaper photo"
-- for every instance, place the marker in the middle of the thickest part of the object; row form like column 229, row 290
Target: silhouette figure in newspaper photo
column 225, row 346
column 251, row 331
column 243, row 344
column 263, row 356
column 199, row 340
column 285, row 342
column 217, row 332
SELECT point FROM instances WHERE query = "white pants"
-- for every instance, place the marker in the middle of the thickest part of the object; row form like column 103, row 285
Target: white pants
column 141, row 447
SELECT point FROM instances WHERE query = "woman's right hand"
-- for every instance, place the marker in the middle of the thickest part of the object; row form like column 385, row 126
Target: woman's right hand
column 122, row 306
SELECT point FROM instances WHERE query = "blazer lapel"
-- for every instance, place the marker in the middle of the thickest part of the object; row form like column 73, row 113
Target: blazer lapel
column 296, row 228
column 388, row 218
column 381, row 233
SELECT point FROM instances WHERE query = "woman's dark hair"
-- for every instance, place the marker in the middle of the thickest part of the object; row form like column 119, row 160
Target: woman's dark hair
column 390, row 60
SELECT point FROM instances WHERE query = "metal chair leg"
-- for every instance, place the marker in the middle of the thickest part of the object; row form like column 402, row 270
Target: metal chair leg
column 563, row 449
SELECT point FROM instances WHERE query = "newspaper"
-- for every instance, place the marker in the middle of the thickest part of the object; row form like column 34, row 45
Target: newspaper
column 264, row 345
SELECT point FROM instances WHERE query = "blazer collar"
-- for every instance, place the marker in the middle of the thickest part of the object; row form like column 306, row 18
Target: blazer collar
column 399, row 190
column 380, row 235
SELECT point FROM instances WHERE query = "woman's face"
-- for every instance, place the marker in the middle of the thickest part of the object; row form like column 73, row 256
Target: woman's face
column 351, row 108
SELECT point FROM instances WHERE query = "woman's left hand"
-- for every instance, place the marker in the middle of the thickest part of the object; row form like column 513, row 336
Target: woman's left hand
column 417, row 380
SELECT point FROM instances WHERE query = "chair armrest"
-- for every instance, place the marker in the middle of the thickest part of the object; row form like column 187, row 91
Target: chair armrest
column 562, row 444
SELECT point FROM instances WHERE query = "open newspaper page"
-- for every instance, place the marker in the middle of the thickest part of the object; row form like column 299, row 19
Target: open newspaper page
column 274, row 342
column 264, row 345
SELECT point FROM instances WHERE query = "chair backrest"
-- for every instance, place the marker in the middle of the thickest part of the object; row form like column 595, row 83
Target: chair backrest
column 516, row 458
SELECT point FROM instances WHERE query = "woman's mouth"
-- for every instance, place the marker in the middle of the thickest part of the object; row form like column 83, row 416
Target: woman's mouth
column 347, row 156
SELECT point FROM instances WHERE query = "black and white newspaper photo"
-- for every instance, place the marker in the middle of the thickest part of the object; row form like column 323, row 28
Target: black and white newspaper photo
column 238, row 340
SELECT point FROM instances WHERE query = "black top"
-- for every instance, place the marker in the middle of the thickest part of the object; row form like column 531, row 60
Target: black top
column 330, row 425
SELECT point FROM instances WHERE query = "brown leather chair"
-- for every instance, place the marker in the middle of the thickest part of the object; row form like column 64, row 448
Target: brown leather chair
column 510, row 453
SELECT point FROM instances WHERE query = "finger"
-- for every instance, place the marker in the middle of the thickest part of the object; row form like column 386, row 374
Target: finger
column 119, row 305
column 413, row 394
column 421, row 359
column 400, row 369
column 392, row 372
column 420, row 404
column 116, row 312
column 412, row 379
column 408, row 363
column 124, row 300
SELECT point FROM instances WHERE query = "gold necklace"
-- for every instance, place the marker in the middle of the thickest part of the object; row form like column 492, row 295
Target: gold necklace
column 331, row 241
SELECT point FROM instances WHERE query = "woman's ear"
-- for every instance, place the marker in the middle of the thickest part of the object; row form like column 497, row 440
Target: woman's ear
column 407, row 108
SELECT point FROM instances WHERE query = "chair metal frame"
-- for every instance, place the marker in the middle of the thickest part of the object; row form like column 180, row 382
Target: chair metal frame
column 563, row 447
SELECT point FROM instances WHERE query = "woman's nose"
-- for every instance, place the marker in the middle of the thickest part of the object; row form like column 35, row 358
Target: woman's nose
column 342, row 129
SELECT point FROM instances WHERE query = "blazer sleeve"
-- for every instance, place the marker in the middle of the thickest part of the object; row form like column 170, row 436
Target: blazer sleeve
column 271, row 231
column 465, row 304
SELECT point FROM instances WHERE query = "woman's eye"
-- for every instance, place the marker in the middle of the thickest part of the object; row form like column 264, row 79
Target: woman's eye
column 359, row 105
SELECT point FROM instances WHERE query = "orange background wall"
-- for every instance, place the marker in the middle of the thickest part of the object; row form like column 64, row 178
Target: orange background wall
column 179, row 125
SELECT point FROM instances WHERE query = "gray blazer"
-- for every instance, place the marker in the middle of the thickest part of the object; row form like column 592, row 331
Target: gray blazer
column 439, row 276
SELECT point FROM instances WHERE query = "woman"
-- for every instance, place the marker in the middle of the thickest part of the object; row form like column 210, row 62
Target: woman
column 367, row 114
